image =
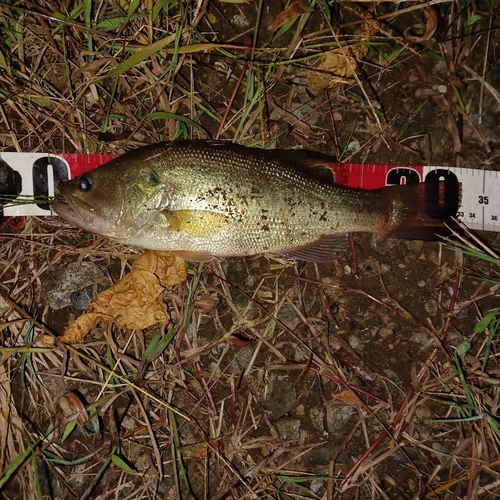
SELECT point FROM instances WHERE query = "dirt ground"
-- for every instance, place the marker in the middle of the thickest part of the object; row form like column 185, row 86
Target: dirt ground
column 366, row 377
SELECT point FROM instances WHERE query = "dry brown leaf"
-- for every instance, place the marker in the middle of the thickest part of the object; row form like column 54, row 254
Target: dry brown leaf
column 135, row 302
column 206, row 304
column 295, row 9
column 340, row 63
column 427, row 28
column 239, row 340
column 348, row 397
column 73, row 408
column 432, row 23
column 198, row 450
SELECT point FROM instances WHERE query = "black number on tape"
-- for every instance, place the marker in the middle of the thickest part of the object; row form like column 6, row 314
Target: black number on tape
column 451, row 184
column 441, row 174
column 396, row 175
column 41, row 176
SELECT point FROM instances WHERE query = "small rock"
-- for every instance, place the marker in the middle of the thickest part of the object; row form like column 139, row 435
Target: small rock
column 354, row 341
column 431, row 307
column 340, row 418
column 396, row 387
column 80, row 299
column 385, row 333
column 441, row 449
column 241, row 21
column 365, row 267
column 382, row 245
column 424, row 430
column 279, row 397
column 404, row 453
column 288, row 316
column 353, row 146
column 288, row 428
column 421, row 339
column 316, row 485
column 59, row 285
column 384, row 268
column 320, row 457
column 414, row 246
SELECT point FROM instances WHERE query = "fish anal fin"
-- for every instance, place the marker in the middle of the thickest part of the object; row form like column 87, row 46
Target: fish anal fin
column 202, row 223
column 324, row 249
column 193, row 256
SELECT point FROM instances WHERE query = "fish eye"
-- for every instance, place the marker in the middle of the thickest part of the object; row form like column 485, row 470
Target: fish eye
column 85, row 184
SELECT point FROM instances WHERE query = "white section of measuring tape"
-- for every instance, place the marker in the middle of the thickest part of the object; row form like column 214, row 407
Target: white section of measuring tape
column 23, row 163
column 480, row 209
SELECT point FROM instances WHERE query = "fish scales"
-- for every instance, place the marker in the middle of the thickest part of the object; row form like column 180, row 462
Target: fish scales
column 267, row 206
column 202, row 199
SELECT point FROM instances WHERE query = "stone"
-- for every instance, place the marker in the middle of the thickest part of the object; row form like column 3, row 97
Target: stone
column 59, row 285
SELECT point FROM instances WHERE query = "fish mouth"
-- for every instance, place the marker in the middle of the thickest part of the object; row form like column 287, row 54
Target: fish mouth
column 75, row 211
column 83, row 215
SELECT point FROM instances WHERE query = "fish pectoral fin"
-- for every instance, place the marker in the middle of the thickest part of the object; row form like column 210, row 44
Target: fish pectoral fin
column 194, row 256
column 200, row 223
column 324, row 249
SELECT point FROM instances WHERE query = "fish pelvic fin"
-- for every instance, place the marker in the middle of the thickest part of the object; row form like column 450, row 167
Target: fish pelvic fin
column 422, row 211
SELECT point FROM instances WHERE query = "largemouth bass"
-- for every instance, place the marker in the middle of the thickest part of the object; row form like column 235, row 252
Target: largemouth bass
column 202, row 200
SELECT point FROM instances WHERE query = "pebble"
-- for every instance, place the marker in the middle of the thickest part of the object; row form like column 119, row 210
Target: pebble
column 278, row 397
column 385, row 268
column 241, row 21
column 340, row 419
column 59, row 285
column 353, row 146
column 431, row 307
column 80, row 299
column 383, row 245
column 288, row 428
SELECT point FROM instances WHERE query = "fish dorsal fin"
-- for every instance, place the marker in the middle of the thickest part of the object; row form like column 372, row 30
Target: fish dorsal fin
column 202, row 223
column 318, row 171
column 324, row 249
column 312, row 164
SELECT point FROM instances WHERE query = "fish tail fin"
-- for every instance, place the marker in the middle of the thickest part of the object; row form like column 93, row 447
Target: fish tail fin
column 422, row 211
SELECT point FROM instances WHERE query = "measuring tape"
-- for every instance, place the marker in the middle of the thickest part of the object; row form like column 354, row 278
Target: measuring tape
column 480, row 208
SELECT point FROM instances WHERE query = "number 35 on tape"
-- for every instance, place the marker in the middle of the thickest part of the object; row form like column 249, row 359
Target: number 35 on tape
column 480, row 209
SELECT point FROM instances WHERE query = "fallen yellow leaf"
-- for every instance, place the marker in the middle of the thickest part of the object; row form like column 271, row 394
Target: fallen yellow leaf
column 335, row 66
column 135, row 302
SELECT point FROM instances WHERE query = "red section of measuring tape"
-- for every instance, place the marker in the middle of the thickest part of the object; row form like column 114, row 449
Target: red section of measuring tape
column 373, row 176
column 366, row 176
column 79, row 164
